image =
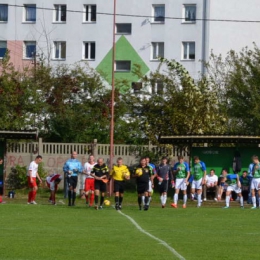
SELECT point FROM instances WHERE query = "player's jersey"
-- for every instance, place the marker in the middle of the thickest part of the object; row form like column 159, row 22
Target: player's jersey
column 73, row 166
column 51, row 180
column 34, row 168
column 153, row 167
column 231, row 179
column 88, row 168
column 118, row 173
column 198, row 170
column 256, row 171
column 250, row 169
column 245, row 181
column 100, row 170
column 184, row 169
column 164, row 171
column 147, row 172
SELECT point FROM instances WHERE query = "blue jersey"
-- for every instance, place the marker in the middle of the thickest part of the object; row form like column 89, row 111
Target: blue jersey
column 74, row 166
column 153, row 166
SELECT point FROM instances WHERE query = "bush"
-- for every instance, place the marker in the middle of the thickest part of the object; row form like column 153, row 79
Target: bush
column 17, row 178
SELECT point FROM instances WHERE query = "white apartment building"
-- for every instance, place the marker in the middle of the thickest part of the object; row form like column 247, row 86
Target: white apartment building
column 68, row 31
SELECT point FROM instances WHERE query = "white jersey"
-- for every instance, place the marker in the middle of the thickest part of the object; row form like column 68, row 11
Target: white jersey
column 51, row 180
column 88, row 168
column 211, row 179
column 34, row 168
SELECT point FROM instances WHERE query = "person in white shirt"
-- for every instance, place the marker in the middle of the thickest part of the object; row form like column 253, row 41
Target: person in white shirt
column 211, row 184
column 32, row 174
column 53, row 181
column 89, row 181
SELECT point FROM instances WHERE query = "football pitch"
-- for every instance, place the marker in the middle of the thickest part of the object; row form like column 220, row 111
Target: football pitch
column 58, row 232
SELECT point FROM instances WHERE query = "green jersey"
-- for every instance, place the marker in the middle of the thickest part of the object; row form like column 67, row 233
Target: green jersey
column 256, row 171
column 183, row 170
column 198, row 170
column 231, row 179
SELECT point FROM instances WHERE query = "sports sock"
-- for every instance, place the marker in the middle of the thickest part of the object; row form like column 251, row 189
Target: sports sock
column 92, row 196
column 139, row 201
column 227, row 200
column 149, row 200
column 143, row 200
column 96, row 199
column 86, row 196
column 258, row 202
column 30, row 196
column 254, row 201
column 146, row 200
column 185, row 199
column 199, row 199
column 241, row 201
column 33, row 195
column 116, row 200
column 161, row 199
column 164, row 199
column 69, row 196
column 73, row 197
column 102, row 198
column 120, row 200
column 175, row 198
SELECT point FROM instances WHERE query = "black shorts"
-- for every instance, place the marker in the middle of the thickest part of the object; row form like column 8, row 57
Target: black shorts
column 163, row 187
column 72, row 181
column 100, row 185
column 142, row 187
column 119, row 186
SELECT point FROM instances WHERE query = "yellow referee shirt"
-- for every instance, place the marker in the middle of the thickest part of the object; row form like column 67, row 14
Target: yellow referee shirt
column 118, row 173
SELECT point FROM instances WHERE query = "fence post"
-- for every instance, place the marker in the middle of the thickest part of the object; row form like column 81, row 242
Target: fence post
column 94, row 149
column 40, row 145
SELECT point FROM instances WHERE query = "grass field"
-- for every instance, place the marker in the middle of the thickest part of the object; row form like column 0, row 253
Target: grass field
column 57, row 232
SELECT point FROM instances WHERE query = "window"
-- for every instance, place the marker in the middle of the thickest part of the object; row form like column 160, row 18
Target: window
column 158, row 13
column 29, row 13
column 29, row 49
column 3, row 48
column 157, row 87
column 89, row 50
column 157, row 50
column 188, row 50
column 90, row 13
column 3, row 13
column 137, row 86
column 123, row 28
column 59, row 50
column 123, row 65
column 60, row 13
column 189, row 13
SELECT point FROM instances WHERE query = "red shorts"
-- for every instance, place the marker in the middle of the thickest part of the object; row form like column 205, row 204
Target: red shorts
column 33, row 184
column 89, row 184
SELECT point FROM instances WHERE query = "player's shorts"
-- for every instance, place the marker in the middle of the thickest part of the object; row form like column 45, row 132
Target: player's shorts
column 89, row 184
column 142, row 187
column 72, row 181
column 100, row 185
column 197, row 184
column 234, row 188
column 119, row 186
column 33, row 184
column 180, row 184
column 255, row 184
column 163, row 187
column 150, row 188
column 52, row 186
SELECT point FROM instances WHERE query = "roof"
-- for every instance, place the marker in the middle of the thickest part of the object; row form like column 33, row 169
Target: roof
column 189, row 139
column 29, row 134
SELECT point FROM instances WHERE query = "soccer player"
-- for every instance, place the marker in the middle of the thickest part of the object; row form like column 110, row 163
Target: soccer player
column 71, row 168
column 222, row 186
column 181, row 170
column 119, row 173
column 233, row 183
column 164, row 174
column 32, row 174
column 245, row 183
column 100, row 173
column 199, row 175
column 89, row 181
column 250, row 176
column 143, row 173
column 255, row 184
column 52, row 183
column 151, row 186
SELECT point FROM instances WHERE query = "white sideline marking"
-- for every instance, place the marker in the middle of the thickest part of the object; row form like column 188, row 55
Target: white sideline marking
column 152, row 236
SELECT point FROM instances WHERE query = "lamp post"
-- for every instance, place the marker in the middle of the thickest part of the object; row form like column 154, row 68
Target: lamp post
column 112, row 97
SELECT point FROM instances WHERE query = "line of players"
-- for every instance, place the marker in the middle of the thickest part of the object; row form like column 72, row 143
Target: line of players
column 96, row 176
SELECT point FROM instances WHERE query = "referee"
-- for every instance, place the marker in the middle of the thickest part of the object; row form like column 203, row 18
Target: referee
column 119, row 173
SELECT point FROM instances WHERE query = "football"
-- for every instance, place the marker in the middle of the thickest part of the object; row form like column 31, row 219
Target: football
column 139, row 172
column 107, row 202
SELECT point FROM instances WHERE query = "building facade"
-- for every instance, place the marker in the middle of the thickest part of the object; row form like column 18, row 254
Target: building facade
column 69, row 31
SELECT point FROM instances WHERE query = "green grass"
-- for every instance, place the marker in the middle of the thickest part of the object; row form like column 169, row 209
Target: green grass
column 57, row 232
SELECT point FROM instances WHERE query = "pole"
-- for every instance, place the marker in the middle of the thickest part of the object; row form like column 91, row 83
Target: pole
column 112, row 97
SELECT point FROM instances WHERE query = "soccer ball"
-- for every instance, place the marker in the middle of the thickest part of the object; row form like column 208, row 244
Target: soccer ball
column 139, row 172
column 107, row 202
